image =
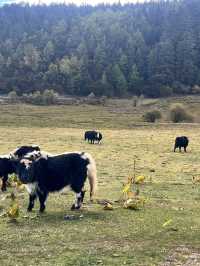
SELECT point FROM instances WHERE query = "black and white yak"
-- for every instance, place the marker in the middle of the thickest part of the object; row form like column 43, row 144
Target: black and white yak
column 181, row 142
column 92, row 136
column 23, row 150
column 6, row 165
column 52, row 173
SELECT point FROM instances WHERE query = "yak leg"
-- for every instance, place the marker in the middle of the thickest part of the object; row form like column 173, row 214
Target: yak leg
column 185, row 149
column 32, row 198
column 175, row 148
column 42, row 198
column 179, row 149
column 4, row 181
column 79, row 200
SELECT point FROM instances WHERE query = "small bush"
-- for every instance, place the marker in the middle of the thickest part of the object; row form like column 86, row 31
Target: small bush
column 152, row 116
column 26, row 98
column 13, row 96
column 49, row 97
column 195, row 89
column 36, row 98
column 178, row 113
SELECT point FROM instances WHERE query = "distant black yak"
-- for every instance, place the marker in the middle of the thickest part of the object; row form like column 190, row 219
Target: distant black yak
column 181, row 142
column 92, row 136
column 53, row 173
column 6, row 166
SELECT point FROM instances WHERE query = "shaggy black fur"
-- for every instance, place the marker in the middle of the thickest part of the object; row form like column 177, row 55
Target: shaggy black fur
column 6, row 163
column 53, row 174
column 23, row 150
column 181, row 142
column 6, row 168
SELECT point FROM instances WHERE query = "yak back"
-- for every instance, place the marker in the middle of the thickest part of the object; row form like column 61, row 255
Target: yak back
column 90, row 134
column 56, row 172
column 181, row 141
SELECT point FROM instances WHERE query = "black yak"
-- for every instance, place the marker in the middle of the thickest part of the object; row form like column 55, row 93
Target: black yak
column 6, row 166
column 181, row 142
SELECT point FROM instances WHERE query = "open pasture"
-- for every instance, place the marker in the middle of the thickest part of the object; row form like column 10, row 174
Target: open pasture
column 118, row 237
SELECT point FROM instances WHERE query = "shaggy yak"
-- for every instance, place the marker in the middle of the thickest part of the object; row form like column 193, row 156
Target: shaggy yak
column 181, row 142
column 92, row 136
column 6, row 165
column 52, row 173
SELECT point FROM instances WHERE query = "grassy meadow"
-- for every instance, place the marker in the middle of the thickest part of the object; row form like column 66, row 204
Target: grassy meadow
column 118, row 237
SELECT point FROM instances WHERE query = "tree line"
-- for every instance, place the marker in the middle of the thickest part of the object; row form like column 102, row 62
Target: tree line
column 114, row 50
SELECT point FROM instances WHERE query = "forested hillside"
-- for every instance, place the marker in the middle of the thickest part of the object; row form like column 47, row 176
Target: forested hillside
column 151, row 48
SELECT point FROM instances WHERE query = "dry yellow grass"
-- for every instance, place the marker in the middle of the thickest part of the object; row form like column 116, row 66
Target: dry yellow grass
column 119, row 237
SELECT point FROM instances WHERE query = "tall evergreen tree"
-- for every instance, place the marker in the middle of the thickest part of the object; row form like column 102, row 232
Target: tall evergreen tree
column 153, row 48
column 118, row 81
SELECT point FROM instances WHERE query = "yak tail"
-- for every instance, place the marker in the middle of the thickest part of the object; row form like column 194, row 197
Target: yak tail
column 91, row 174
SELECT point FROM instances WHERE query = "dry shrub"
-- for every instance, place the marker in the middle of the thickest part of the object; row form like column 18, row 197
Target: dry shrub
column 178, row 113
column 152, row 116
column 13, row 97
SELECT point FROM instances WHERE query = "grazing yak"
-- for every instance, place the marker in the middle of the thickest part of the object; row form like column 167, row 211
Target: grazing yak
column 23, row 150
column 92, row 136
column 181, row 142
column 52, row 173
column 6, row 165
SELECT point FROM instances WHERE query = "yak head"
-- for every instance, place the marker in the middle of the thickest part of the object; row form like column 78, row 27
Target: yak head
column 30, row 170
column 24, row 170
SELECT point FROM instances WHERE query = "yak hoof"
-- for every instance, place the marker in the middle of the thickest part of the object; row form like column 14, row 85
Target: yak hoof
column 74, row 207
column 42, row 210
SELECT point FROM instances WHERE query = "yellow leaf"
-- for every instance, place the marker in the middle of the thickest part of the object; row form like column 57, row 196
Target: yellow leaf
column 108, row 207
column 126, row 188
column 167, row 223
column 134, row 203
column 13, row 211
column 139, row 179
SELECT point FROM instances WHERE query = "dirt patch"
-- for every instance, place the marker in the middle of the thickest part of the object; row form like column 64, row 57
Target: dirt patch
column 183, row 256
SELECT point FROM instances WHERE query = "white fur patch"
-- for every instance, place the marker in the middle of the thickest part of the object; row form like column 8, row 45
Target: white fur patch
column 45, row 154
column 12, row 154
column 26, row 162
column 6, row 156
column 31, row 187
column 33, row 155
column 65, row 189
column 84, row 156
column 37, row 154
column 78, row 196
column 91, row 172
